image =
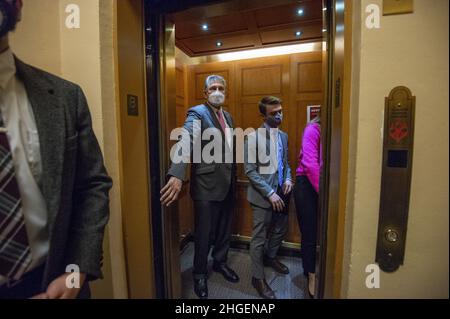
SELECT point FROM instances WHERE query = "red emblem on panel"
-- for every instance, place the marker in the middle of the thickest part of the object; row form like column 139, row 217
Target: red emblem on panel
column 398, row 130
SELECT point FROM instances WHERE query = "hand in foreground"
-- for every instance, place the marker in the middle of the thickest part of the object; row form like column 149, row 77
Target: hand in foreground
column 170, row 192
column 58, row 288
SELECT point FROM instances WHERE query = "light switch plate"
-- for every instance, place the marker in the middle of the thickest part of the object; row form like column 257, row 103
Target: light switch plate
column 397, row 7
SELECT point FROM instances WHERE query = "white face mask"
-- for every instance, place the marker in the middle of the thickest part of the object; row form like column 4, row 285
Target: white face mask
column 216, row 98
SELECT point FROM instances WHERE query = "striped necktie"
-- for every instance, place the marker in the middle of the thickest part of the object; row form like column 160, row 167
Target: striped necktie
column 15, row 253
column 221, row 120
column 279, row 146
column 280, row 160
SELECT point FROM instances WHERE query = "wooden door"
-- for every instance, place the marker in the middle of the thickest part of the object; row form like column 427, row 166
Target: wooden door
column 305, row 89
column 296, row 79
column 255, row 78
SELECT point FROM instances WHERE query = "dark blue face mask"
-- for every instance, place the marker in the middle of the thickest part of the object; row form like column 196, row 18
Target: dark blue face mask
column 8, row 16
column 274, row 120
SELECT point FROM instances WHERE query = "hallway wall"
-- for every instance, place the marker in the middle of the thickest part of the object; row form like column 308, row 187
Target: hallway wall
column 36, row 38
column 410, row 50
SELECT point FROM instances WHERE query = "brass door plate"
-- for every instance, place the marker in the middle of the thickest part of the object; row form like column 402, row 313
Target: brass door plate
column 397, row 7
column 398, row 144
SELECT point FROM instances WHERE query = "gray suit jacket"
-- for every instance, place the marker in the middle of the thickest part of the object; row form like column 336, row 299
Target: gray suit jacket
column 75, row 183
column 263, row 184
column 209, row 181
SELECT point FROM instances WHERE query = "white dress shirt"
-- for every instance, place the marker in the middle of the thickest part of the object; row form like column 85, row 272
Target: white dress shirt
column 23, row 138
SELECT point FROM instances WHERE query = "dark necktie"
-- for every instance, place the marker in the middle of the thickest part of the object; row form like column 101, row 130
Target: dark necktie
column 15, row 253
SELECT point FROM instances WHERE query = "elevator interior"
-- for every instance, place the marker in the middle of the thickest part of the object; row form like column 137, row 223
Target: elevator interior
column 260, row 49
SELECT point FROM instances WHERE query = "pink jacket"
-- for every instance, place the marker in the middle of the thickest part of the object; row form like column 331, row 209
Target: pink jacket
column 310, row 157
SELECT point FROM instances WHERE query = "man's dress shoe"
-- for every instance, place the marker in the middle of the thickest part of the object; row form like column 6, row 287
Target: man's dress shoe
column 226, row 272
column 201, row 288
column 263, row 288
column 276, row 265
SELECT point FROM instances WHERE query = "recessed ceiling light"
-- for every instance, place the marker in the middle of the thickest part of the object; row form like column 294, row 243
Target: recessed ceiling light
column 300, row 12
column 204, row 27
column 298, row 33
column 219, row 44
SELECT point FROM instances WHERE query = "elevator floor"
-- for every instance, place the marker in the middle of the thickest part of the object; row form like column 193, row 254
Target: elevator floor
column 291, row 286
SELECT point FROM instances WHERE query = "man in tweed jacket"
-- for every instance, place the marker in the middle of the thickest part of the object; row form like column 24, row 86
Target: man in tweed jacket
column 59, row 171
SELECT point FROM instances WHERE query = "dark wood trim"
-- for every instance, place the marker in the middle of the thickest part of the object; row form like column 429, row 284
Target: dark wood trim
column 211, row 52
column 224, row 6
column 252, row 28
column 243, row 242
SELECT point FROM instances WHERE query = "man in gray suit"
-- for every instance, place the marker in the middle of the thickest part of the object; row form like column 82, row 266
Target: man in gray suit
column 53, row 184
column 268, row 192
column 212, row 182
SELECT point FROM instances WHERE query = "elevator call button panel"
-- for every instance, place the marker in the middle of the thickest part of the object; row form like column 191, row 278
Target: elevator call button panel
column 396, row 178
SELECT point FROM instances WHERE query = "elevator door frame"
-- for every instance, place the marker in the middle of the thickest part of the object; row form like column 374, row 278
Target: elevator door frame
column 160, row 84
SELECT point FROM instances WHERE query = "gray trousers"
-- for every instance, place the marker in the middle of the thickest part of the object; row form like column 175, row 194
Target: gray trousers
column 269, row 230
